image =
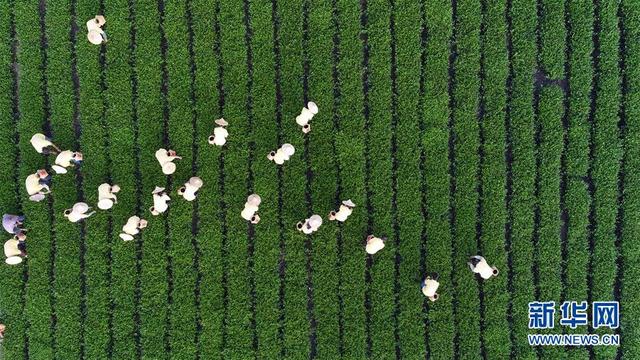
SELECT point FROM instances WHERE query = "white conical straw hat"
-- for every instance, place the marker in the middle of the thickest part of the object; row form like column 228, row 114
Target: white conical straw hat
column 168, row 168
column 288, row 149
column 315, row 221
column 158, row 189
column 95, row 37
column 105, row 204
column 59, row 169
column 14, row 260
column 37, row 197
column 81, row 207
column 221, row 122
column 196, row 182
column 349, row 203
column 312, row 107
column 254, row 199
column 126, row 237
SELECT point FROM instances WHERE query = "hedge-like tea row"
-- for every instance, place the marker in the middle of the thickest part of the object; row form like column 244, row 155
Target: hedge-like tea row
column 11, row 303
column 408, row 218
column 579, row 76
column 521, row 138
column 350, row 146
column 605, row 163
column 631, row 205
column 122, row 119
column 437, row 19
column 200, row 281
column 464, row 161
column 493, row 177
column 323, row 162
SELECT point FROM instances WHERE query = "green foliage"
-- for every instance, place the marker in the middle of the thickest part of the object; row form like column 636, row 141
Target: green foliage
column 201, row 281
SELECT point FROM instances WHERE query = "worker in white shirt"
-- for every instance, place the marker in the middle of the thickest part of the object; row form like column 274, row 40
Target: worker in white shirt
column 132, row 228
column 190, row 188
column 166, row 158
column 220, row 133
column 251, row 208
column 38, row 185
column 160, row 201
column 310, row 225
column 374, row 244
column 282, row 154
column 43, row 144
column 95, row 34
column 15, row 249
column 430, row 286
column 107, row 196
column 346, row 208
column 78, row 212
column 479, row 265
column 306, row 115
column 66, row 159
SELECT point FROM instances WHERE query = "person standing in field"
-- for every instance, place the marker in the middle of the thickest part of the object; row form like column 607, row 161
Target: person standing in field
column 107, row 196
column 306, row 115
column 95, row 34
column 346, row 208
column 282, row 154
column 430, row 286
column 78, row 212
column 38, row 185
column 15, row 249
column 13, row 223
column 220, row 133
column 132, row 228
column 67, row 159
column 479, row 265
column 250, row 210
column 310, row 225
column 160, row 201
column 43, row 144
column 374, row 244
column 166, row 158
column 189, row 190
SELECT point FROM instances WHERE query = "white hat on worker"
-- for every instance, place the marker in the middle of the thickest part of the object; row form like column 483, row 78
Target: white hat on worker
column 349, row 203
column 95, row 37
column 195, row 181
column 288, row 149
column 222, row 122
column 37, row 197
column 13, row 260
column 254, row 199
column 312, row 107
column 158, row 189
column 126, row 237
column 168, row 168
column 105, row 204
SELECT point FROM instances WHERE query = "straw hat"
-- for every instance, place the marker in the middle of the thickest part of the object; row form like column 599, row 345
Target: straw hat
column 168, row 168
column 37, row 197
column 59, row 169
column 126, row 237
column 14, row 260
column 221, row 122
column 95, row 37
column 158, row 189
column 105, row 204
column 288, row 149
column 312, row 107
column 349, row 203
column 195, row 182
